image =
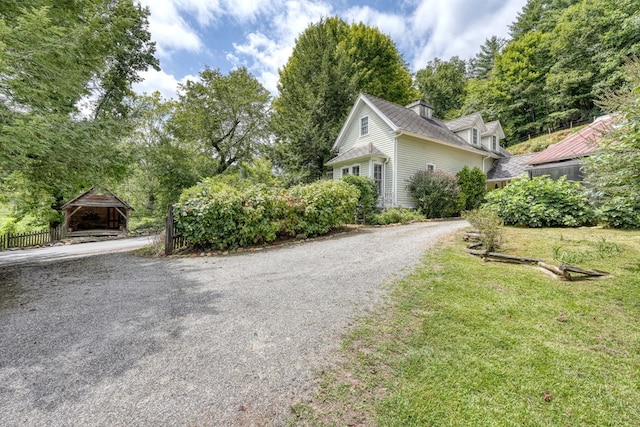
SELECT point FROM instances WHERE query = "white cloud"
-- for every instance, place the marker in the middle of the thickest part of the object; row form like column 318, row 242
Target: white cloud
column 457, row 27
column 393, row 25
column 169, row 29
column 166, row 84
column 265, row 52
column 248, row 10
column 422, row 29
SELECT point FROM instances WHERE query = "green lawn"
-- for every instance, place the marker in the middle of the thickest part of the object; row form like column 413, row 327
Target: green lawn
column 464, row 342
column 539, row 143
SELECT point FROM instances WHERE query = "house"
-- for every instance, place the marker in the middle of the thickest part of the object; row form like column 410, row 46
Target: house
column 389, row 143
column 96, row 212
column 508, row 168
column 565, row 157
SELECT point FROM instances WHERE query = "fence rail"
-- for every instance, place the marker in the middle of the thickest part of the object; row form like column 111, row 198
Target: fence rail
column 173, row 240
column 23, row 240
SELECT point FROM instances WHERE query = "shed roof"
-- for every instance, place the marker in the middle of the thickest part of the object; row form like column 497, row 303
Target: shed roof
column 509, row 167
column 97, row 197
column 579, row 144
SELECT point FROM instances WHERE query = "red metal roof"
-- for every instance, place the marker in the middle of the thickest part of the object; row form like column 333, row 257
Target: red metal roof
column 577, row 145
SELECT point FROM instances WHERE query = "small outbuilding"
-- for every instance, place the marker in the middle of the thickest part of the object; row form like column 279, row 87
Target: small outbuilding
column 96, row 212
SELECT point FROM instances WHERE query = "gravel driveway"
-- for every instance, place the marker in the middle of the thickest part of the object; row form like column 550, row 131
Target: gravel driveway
column 209, row 341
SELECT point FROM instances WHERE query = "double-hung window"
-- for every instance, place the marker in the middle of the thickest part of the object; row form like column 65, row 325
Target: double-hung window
column 475, row 136
column 355, row 170
column 431, row 168
column 364, row 126
column 494, row 143
column 345, row 171
column 377, row 176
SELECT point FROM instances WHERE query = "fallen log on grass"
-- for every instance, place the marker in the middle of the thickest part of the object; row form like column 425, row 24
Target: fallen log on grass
column 555, row 270
column 495, row 256
column 565, row 270
column 472, row 235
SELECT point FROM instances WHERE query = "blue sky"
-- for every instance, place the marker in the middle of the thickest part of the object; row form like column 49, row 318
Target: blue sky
column 260, row 34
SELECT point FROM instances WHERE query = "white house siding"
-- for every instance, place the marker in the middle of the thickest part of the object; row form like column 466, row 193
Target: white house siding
column 380, row 134
column 414, row 154
column 465, row 134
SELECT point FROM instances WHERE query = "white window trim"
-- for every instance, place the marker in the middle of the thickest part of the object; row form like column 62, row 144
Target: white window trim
column 342, row 169
column 353, row 166
column 373, row 176
column 494, row 143
column 361, row 119
column 433, row 167
column 474, row 136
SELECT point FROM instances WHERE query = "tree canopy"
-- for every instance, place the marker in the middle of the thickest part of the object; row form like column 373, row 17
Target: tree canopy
column 443, row 84
column 224, row 116
column 562, row 56
column 332, row 62
column 67, row 70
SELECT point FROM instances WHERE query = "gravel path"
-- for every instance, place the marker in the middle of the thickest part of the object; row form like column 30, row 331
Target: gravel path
column 116, row 339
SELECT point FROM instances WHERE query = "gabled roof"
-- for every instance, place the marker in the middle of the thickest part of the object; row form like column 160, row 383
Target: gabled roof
column 403, row 120
column 97, row 197
column 356, row 153
column 494, row 128
column 579, row 144
column 467, row 122
column 509, row 167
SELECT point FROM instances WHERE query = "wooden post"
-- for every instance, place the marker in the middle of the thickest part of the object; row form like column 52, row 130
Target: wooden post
column 168, row 240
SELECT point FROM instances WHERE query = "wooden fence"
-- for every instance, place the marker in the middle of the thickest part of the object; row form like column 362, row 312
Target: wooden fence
column 173, row 241
column 23, row 240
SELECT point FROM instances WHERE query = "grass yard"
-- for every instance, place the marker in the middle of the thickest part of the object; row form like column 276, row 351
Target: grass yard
column 462, row 342
column 539, row 143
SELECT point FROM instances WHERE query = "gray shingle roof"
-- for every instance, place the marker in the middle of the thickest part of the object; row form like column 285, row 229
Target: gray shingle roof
column 464, row 122
column 491, row 127
column 509, row 167
column 407, row 120
column 357, row 152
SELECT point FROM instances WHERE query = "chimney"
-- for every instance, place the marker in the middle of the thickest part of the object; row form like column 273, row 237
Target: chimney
column 421, row 108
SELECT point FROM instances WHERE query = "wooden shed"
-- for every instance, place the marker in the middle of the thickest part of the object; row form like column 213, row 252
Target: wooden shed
column 96, row 212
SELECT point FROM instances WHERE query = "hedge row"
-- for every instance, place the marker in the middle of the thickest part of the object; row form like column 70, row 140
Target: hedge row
column 543, row 202
column 220, row 216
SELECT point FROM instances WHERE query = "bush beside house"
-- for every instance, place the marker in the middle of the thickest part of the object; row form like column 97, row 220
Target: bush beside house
column 542, row 202
column 217, row 215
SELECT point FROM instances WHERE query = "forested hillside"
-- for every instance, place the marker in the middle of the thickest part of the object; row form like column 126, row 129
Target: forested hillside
column 560, row 58
column 69, row 119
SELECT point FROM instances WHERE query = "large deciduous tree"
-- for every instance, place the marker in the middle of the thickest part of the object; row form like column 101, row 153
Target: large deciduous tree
column 443, row 84
column 332, row 62
column 163, row 165
column 53, row 55
column 224, row 116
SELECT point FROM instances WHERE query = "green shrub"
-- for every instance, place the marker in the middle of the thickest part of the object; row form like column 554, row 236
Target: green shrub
column 214, row 214
column 473, row 187
column 396, row 216
column 489, row 224
column 437, row 193
column 620, row 212
column 368, row 200
column 327, row 204
column 542, row 202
